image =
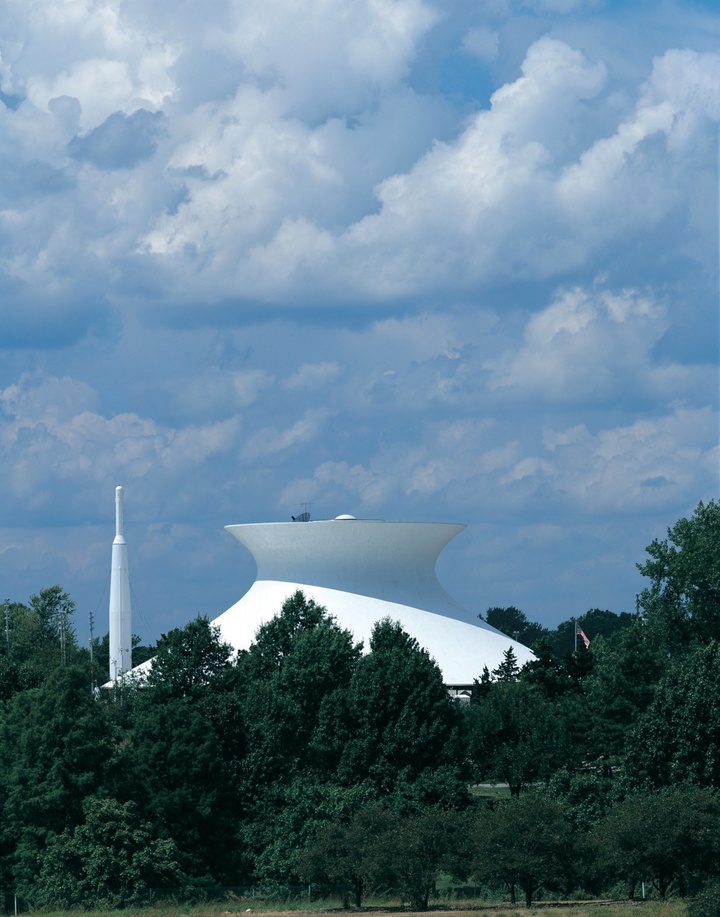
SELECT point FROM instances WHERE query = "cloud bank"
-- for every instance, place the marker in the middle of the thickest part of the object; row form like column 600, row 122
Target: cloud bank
column 384, row 257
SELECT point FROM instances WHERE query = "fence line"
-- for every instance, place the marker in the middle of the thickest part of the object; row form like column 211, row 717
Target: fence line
column 270, row 892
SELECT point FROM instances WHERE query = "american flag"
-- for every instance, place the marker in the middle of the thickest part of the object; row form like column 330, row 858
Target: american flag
column 581, row 633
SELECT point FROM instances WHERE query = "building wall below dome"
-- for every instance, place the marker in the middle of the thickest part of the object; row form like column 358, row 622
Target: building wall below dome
column 461, row 649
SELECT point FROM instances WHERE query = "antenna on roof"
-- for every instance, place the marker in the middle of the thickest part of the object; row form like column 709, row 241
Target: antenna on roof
column 304, row 515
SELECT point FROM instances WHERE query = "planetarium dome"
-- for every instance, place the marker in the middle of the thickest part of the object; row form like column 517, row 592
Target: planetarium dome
column 363, row 570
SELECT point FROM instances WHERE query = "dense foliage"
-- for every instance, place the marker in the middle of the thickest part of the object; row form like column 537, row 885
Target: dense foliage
column 304, row 759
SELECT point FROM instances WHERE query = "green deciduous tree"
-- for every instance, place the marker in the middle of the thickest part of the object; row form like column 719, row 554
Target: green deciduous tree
column 190, row 659
column 293, row 815
column 313, row 679
column 380, row 846
column 525, row 842
column 38, row 638
column 111, row 860
column 682, row 602
column 402, row 722
column 293, row 684
column 55, row 744
column 418, row 848
column 514, row 623
column 347, row 852
column 54, row 609
column 627, row 667
column 595, row 623
column 169, row 761
column 274, row 639
column 515, row 734
column 678, row 739
column 661, row 837
column 586, row 794
column 707, row 903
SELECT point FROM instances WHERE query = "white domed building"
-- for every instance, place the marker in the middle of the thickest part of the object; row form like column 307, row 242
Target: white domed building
column 363, row 570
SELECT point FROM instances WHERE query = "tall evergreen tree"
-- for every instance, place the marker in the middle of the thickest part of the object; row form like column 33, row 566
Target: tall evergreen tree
column 508, row 669
column 545, row 672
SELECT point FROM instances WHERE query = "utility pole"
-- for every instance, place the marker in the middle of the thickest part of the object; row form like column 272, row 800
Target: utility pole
column 63, row 627
column 7, row 626
column 92, row 656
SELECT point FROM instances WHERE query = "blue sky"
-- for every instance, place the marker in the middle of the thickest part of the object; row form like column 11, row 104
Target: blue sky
column 405, row 259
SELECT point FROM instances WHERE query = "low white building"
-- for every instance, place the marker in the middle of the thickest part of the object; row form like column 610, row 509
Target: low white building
column 363, row 570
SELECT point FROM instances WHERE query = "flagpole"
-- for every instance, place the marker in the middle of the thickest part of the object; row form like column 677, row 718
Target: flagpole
column 575, row 629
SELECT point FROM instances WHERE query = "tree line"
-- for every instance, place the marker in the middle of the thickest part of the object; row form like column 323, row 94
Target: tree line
column 304, row 759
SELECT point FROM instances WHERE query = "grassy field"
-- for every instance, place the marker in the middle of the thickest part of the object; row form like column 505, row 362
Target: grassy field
column 491, row 791
column 672, row 908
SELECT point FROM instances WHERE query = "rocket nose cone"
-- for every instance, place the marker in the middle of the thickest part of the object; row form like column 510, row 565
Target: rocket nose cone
column 118, row 510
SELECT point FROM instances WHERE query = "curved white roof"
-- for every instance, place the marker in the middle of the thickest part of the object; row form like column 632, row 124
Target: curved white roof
column 362, row 571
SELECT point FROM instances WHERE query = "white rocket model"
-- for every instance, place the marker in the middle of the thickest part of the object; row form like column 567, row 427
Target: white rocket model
column 120, row 612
